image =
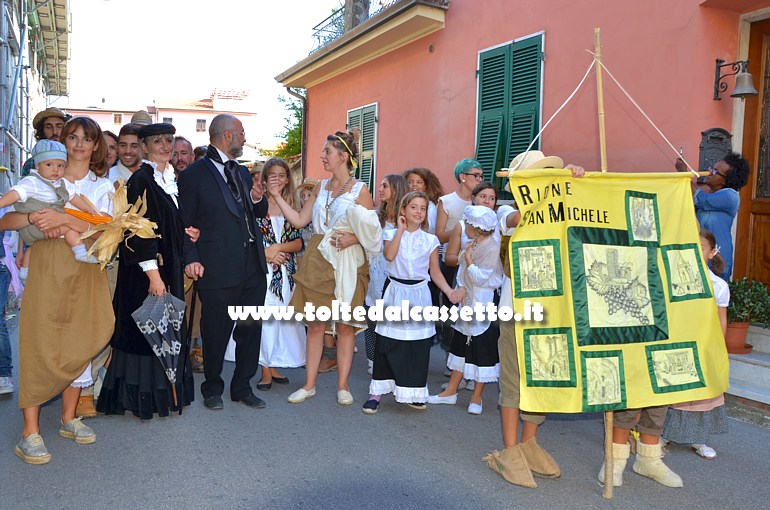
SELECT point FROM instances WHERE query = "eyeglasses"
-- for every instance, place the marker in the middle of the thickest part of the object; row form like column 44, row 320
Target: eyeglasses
column 714, row 171
column 478, row 177
column 242, row 133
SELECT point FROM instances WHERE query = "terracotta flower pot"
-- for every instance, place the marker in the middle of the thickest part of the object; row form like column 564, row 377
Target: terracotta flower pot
column 736, row 338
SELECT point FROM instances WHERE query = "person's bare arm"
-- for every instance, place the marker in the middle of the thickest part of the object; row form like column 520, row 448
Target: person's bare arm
column 441, row 220
column 453, row 248
column 9, row 198
column 298, row 219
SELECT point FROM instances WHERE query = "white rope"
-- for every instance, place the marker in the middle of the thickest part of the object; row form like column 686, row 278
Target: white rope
column 555, row 114
column 647, row 117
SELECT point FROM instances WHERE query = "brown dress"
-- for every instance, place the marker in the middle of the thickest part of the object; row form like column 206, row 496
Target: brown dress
column 315, row 282
column 66, row 320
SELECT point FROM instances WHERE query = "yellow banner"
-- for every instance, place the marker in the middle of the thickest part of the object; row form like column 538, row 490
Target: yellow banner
column 630, row 319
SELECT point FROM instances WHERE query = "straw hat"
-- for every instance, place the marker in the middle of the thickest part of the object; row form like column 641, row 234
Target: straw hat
column 308, row 183
column 532, row 160
column 48, row 112
column 535, row 159
column 141, row 118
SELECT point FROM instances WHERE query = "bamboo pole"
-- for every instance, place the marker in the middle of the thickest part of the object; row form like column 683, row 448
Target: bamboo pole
column 600, row 99
column 609, row 417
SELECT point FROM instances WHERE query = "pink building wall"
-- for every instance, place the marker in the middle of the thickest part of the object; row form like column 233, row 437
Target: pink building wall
column 662, row 52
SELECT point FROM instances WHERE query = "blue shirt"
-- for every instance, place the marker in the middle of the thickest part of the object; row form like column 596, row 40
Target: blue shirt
column 716, row 212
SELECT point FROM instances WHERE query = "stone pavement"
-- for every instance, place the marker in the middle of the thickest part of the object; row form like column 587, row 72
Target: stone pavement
column 322, row 455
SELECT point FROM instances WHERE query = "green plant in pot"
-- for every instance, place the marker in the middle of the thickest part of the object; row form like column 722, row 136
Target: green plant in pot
column 749, row 302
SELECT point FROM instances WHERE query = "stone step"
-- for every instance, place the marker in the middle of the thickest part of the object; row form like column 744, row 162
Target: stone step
column 750, row 376
column 759, row 338
column 749, row 391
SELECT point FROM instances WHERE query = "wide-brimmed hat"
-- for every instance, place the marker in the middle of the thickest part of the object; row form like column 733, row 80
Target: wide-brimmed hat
column 308, row 183
column 48, row 112
column 535, row 159
column 480, row 216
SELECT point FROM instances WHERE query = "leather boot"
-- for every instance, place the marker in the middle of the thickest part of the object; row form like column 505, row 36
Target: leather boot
column 648, row 464
column 85, row 408
column 512, row 465
column 539, row 461
column 620, row 453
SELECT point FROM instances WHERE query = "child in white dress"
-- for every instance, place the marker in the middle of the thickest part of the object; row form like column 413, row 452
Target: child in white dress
column 402, row 348
column 473, row 354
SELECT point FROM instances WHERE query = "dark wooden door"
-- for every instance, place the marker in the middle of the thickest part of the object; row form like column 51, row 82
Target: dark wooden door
column 752, row 246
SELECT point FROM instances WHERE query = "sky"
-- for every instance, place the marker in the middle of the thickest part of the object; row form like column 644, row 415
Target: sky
column 131, row 52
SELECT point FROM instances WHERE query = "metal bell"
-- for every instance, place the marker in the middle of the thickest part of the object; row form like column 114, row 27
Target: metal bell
column 744, row 86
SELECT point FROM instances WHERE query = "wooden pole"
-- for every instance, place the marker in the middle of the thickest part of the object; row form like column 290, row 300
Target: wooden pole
column 600, row 99
column 609, row 417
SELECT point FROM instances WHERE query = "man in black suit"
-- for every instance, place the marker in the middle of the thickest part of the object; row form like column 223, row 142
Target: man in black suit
column 218, row 196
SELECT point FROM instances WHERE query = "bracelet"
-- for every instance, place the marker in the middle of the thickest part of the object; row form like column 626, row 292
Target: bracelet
column 28, row 219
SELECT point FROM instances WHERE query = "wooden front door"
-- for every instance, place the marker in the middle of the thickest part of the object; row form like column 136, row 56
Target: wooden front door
column 752, row 246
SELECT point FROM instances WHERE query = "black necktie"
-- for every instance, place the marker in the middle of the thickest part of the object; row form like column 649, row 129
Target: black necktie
column 235, row 184
column 231, row 176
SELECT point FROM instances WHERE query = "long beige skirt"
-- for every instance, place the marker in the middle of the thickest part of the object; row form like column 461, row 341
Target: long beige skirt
column 315, row 282
column 66, row 320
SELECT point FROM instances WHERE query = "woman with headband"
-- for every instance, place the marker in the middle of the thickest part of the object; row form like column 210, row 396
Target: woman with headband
column 316, row 278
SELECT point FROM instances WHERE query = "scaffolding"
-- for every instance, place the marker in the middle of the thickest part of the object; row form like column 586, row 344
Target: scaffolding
column 34, row 46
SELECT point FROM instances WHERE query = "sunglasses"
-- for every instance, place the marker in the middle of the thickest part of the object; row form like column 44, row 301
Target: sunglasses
column 714, row 171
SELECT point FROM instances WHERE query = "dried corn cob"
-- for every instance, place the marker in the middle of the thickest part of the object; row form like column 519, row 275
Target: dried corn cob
column 93, row 219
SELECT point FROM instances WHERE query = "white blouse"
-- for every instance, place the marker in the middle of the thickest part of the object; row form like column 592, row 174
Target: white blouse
column 166, row 179
column 721, row 290
column 337, row 207
column 96, row 189
column 412, row 262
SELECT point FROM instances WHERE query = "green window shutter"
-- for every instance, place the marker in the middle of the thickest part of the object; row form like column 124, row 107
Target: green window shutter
column 366, row 120
column 524, row 113
column 366, row 149
column 509, row 104
column 493, row 105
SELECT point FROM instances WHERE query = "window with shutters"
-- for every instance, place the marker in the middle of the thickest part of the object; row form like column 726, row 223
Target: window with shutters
column 509, row 97
column 365, row 119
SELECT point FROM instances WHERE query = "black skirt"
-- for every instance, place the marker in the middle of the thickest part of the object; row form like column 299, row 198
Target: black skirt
column 138, row 383
column 479, row 359
column 401, row 367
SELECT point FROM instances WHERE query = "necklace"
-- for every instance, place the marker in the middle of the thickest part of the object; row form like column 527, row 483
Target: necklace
column 334, row 199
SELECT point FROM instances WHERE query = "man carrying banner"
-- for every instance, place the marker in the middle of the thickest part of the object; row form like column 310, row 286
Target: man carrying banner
column 518, row 461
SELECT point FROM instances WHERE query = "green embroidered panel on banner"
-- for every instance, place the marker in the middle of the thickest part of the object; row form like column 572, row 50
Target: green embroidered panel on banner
column 549, row 356
column 604, row 381
column 618, row 296
column 684, row 271
column 537, row 268
column 642, row 219
column 674, row 367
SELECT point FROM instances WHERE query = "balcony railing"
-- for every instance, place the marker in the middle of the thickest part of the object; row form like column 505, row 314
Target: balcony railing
column 333, row 27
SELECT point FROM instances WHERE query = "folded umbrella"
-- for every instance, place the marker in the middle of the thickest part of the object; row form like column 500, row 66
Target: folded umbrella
column 161, row 321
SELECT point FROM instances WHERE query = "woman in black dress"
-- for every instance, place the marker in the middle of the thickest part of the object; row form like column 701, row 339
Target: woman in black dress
column 136, row 380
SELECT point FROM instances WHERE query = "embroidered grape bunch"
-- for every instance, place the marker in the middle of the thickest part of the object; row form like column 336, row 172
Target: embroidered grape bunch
column 620, row 294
